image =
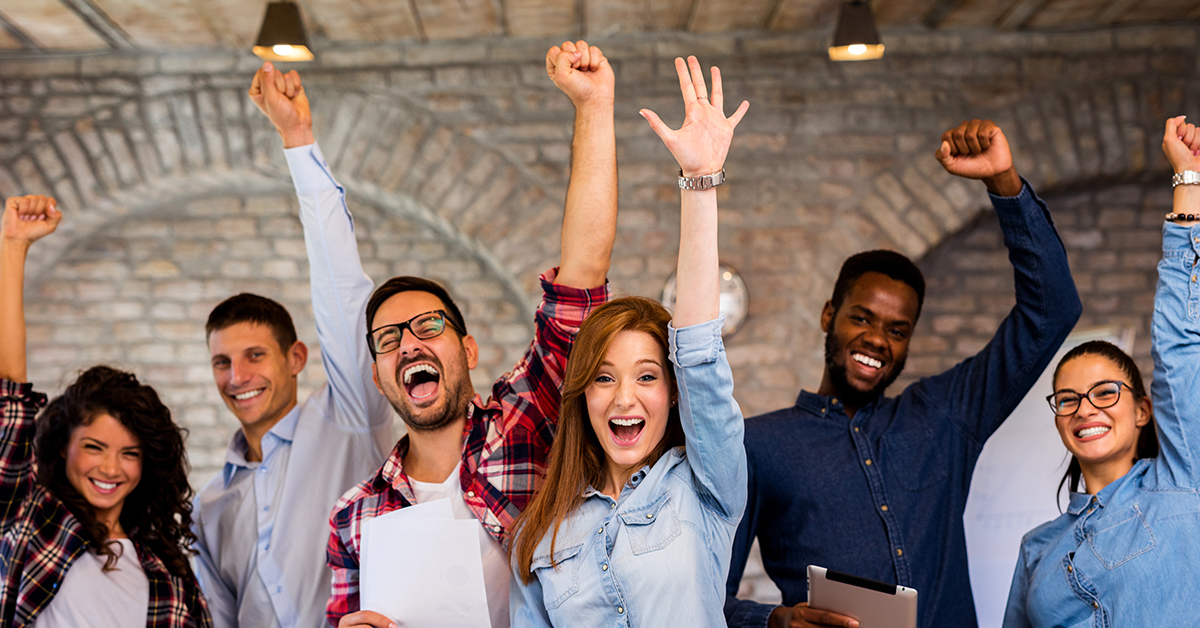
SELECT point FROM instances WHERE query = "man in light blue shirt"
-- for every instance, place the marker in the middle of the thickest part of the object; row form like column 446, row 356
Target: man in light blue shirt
column 262, row 523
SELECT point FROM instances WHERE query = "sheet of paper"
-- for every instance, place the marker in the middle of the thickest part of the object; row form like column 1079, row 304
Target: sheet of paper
column 422, row 568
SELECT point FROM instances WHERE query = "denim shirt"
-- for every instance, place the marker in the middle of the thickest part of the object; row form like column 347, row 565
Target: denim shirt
column 657, row 556
column 1129, row 555
column 882, row 495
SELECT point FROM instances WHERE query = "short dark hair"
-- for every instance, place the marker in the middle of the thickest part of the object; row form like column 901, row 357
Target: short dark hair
column 1147, row 445
column 158, row 511
column 396, row 285
column 889, row 263
column 251, row 308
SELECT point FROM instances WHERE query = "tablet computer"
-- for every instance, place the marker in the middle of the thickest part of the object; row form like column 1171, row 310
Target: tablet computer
column 874, row 604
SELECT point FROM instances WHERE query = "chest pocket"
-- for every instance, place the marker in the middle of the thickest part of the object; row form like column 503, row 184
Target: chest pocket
column 561, row 582
column 653, row 526
column 1123, row 541
column 917, row 458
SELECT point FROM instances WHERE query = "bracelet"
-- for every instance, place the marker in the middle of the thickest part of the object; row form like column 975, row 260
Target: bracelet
column 702, row 182
column 1187, row 177
column 1174, row 217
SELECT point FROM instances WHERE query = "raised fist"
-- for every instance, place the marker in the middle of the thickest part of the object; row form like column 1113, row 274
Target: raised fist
column 1181, row 143
column 282, row 99
column 977, row 149
column 581, row 72
column 29, row 218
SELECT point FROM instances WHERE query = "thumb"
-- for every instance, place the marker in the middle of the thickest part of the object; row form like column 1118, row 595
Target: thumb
column 943, row 153
column 268, row 79
column 657, row 125
column 562, row 65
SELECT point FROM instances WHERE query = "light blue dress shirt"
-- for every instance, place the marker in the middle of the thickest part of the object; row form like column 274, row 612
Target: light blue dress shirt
column 658, row 555
column 262, row 527
column 1129, row 555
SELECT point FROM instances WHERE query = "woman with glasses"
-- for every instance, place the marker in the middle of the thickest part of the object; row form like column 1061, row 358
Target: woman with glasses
column 1124, row 553
column 647, row 476
column 95, row 507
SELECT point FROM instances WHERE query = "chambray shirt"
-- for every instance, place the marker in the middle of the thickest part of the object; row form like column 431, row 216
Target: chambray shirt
column 261, row 527
column 1129, row 555
column 882, row 496
column 657, row 556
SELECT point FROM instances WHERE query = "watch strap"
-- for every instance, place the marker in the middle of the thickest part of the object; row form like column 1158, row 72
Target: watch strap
column 702, row 182
column 1187, row 177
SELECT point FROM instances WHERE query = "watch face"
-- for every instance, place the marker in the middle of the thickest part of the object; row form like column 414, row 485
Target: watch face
column 735, row 300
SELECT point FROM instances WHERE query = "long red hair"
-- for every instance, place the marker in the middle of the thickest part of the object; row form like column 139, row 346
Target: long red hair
column 576, row 459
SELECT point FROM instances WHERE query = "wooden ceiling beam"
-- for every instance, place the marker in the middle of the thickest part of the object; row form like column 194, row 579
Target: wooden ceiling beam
column 939, row 12
column 1194, row 14
column 21, row 36
column 100, row 22
column 1112, row 12
column 1020, row 13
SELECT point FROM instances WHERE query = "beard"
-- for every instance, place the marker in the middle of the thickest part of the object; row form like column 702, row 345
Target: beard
column 450, row 406
column 851, row 396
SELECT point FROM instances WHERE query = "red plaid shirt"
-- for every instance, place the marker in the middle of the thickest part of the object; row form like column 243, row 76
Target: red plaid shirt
column 41, row 538
column 506, row 444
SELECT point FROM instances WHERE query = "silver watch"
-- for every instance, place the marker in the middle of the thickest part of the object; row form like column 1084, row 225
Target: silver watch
column 1187, row 177
column 702, row 182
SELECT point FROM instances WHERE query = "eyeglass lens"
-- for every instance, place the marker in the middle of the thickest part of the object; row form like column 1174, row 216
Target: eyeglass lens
column 1102, row 395
column 424, row 326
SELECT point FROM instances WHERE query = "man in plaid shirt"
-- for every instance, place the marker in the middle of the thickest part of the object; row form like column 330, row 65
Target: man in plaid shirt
column 487, row 456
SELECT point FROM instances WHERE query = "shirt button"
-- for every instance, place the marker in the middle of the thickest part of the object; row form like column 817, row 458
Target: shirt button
column 266, row 508
column 497, row 529
column 620, row 610
column 264, row 469
column 1193, row 279
column 856, row 429
column 883, row 508
column 279, row 589
column 834, row 400
column 899, row 552
column 612, row 505
column 822, row 410
column 470, row 493
column 600, row 531
column 1095, row 604
column 1070, row 569
column 649, row 515
column 868, row 462
column 604, row 567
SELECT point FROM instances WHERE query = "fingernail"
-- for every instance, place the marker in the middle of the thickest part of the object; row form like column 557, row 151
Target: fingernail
column 269, row 67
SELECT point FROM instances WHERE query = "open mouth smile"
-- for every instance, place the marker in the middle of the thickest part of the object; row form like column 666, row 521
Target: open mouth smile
column 867, row 361
column 249, row 394
column 104, row 487
column 421, row 381
column 1090, row 433
column 626, row 430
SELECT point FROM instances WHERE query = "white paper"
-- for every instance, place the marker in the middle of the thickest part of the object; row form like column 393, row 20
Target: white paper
column 422, row 568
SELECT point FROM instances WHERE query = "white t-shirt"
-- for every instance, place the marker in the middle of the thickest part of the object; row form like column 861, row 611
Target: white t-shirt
column 496, row 571
column 90, row 596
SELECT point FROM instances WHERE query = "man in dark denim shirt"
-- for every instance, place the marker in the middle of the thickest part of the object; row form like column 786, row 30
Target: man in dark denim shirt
column 852, row 481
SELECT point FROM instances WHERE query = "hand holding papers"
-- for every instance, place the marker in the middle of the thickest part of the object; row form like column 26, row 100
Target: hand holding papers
column 422, row 567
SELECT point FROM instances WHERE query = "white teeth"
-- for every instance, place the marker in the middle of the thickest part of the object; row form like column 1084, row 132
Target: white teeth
column 419, row 368
column 862, row 359
column 1092, row 431
column 249, row 394
column 626, row 422
column 104, row 486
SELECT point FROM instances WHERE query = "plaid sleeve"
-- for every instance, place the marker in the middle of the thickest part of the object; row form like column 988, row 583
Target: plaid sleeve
column 533, row 388
column 19, row 404
column 343, row 595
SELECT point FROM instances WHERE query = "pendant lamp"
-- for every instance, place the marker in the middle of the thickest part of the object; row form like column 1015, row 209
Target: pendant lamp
column 282, row 37
column 856, row 38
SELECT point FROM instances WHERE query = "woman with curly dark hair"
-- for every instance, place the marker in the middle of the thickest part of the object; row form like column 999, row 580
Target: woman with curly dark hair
column 95, row 507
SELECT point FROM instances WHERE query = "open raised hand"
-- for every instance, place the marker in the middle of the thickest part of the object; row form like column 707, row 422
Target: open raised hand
column 701, row 144
column 282, row 99
column 29, row 218
column 582, row 73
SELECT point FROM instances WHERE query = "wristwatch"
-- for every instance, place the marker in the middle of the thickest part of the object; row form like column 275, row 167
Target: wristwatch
column 1187, row 177
column 704, row 181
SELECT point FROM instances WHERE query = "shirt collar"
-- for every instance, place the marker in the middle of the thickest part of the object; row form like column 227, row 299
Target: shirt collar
column 824, row 405
column 235, row 456
column 1079, row 501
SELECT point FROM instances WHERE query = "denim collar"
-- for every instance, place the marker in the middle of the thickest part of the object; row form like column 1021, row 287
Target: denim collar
column 828, row 406
column 1080, row 501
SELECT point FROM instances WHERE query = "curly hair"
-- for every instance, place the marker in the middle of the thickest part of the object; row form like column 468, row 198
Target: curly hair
column 158, row 512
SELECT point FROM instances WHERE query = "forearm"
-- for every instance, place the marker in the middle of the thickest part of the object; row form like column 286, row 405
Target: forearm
column 590, row 217
column 12, row 309
column 698, row 290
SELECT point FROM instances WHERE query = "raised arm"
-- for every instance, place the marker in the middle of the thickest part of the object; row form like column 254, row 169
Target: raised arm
column 340, row 287
column 590, row 218
column 979, row 393
column 712, row 422
column 26, row 220
column 1175, row 329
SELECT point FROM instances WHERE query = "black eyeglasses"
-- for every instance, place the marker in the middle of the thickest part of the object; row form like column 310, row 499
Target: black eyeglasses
column 1102, row 395
column 386, row 339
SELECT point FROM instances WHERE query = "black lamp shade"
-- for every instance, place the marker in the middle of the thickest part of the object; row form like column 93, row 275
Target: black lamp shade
column 856, row 38
column 282, row 37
